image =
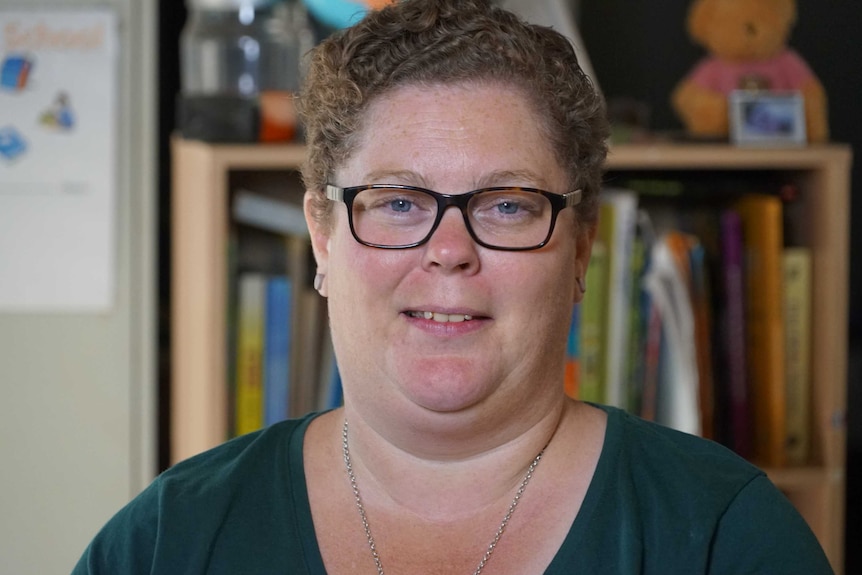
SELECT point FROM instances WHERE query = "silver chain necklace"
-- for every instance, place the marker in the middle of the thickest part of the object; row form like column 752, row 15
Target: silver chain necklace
column 367, row 527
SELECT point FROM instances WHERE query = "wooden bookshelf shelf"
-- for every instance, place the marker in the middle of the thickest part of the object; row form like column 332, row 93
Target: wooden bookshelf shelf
column 201, row 195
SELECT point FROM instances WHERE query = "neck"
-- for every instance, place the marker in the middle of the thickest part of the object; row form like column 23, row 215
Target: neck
column 448, row 474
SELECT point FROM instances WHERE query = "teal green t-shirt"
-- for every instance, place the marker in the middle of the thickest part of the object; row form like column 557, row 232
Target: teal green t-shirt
column 660, row 503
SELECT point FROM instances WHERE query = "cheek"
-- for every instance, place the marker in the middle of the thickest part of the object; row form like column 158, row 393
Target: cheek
column 359, row 267
column 360, row 279
column 545, row 287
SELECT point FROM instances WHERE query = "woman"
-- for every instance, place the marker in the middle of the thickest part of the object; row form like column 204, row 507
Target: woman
column 455, row 157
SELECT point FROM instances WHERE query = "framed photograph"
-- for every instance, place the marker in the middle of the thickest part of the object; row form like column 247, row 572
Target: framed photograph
column 767, row 118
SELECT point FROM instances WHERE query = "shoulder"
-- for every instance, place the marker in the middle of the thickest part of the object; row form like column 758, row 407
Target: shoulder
column 650, row 475
column 686, row 501
column 762, row 532
column 232, row 467
column 650, row 449
column 221, row 466
column 179, row 515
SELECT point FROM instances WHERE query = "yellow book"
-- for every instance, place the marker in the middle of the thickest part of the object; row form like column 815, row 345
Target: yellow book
column 797, row 341
column 249, row 348
column 593, row 320
column 763, row 246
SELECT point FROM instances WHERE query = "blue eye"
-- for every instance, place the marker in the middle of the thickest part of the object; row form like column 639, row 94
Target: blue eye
column 401, row 205
column 508, row 208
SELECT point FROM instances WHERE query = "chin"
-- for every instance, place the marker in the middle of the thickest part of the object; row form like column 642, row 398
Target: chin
column 446, row 391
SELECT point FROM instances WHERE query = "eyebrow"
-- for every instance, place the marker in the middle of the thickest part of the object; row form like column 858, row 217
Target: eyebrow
column 408, row 176
column 495, row 178
column 506, row 177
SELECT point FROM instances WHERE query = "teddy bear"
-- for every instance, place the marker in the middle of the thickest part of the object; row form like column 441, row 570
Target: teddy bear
column 746, row 43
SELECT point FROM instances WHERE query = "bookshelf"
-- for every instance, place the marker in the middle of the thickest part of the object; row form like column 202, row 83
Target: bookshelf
column 201, row 194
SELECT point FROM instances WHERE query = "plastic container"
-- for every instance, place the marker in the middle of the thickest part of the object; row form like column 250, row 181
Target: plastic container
column 240, row 65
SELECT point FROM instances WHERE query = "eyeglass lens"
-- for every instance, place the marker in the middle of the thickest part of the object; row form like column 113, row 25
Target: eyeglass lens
column 503, row 218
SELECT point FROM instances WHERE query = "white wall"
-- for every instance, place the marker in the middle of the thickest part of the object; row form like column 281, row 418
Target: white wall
column 77, row 392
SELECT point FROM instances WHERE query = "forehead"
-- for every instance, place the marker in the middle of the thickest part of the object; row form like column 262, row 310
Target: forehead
column 460, row 131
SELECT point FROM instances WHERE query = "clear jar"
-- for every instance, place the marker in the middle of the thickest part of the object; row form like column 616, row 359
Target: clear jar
column 241, row 58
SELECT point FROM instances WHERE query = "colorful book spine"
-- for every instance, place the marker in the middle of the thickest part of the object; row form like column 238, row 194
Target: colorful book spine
column 307, row 352
column 735, row 394
column 652, row 360
column 572, row 369
column 618, row 223
column 634, row 375
column 330, row 392
column 277, row 346
column 763, row 232
column 593, row 317
column 701, row 307
column 677, row 403
column 335, row 393
column 797, row 326
column 232, row 280
column 249, row 362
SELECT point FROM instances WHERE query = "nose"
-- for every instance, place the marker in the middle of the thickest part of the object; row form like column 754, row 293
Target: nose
column 451, row 247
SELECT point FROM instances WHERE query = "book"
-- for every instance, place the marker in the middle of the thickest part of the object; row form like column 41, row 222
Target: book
column 703, row 328
column 796, row 264
column 733, row 390
column 593, row 318
column 268, row 213
column 763, row 238
column 307, row 352
column 330, row 393
column 690, row 258
column 617, row 225
column 651, row 358
column 572, row 369
column 639, row 307
column 306, row 323
column 277, row 349
column 676, row 402
column 249, row 348
column 232, row 325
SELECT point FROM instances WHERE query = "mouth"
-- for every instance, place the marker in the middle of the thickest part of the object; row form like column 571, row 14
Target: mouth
column 439, row 317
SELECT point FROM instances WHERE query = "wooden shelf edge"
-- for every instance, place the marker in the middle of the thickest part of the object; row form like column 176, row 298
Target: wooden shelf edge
column 249, row 156
column 695, row 156
column 682, row 156
column 800, row 478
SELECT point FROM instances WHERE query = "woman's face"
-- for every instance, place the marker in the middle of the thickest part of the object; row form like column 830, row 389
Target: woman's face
column 450, row 139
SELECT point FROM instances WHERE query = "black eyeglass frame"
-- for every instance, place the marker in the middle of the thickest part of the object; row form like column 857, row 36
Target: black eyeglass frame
column 559, row 202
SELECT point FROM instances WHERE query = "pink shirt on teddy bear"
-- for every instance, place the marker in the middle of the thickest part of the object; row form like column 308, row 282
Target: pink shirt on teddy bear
column 786, row 71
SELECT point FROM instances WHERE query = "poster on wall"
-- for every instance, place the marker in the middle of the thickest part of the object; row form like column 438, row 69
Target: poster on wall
column 58, row 91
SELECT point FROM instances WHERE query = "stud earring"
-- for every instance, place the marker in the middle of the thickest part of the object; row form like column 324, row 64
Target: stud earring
column 318, row 281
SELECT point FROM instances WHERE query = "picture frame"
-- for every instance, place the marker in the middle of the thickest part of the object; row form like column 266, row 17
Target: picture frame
column 762, row 118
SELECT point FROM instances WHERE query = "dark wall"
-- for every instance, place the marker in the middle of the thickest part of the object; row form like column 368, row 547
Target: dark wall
column 638, row 52
column 641, row 50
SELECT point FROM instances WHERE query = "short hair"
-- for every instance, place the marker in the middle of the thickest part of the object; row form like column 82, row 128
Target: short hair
column 433, row 42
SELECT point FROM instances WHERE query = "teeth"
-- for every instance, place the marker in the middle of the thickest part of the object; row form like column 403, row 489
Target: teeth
column 442, row 317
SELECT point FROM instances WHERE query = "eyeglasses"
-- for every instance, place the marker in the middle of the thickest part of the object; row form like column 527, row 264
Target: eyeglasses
column 500, row 218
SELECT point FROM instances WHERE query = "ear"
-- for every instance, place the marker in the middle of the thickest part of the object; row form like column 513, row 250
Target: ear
column 584, row 246
column 700, row 18
column 319, row 233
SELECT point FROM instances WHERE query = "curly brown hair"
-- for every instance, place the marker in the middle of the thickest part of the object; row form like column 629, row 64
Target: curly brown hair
column 432, row 42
